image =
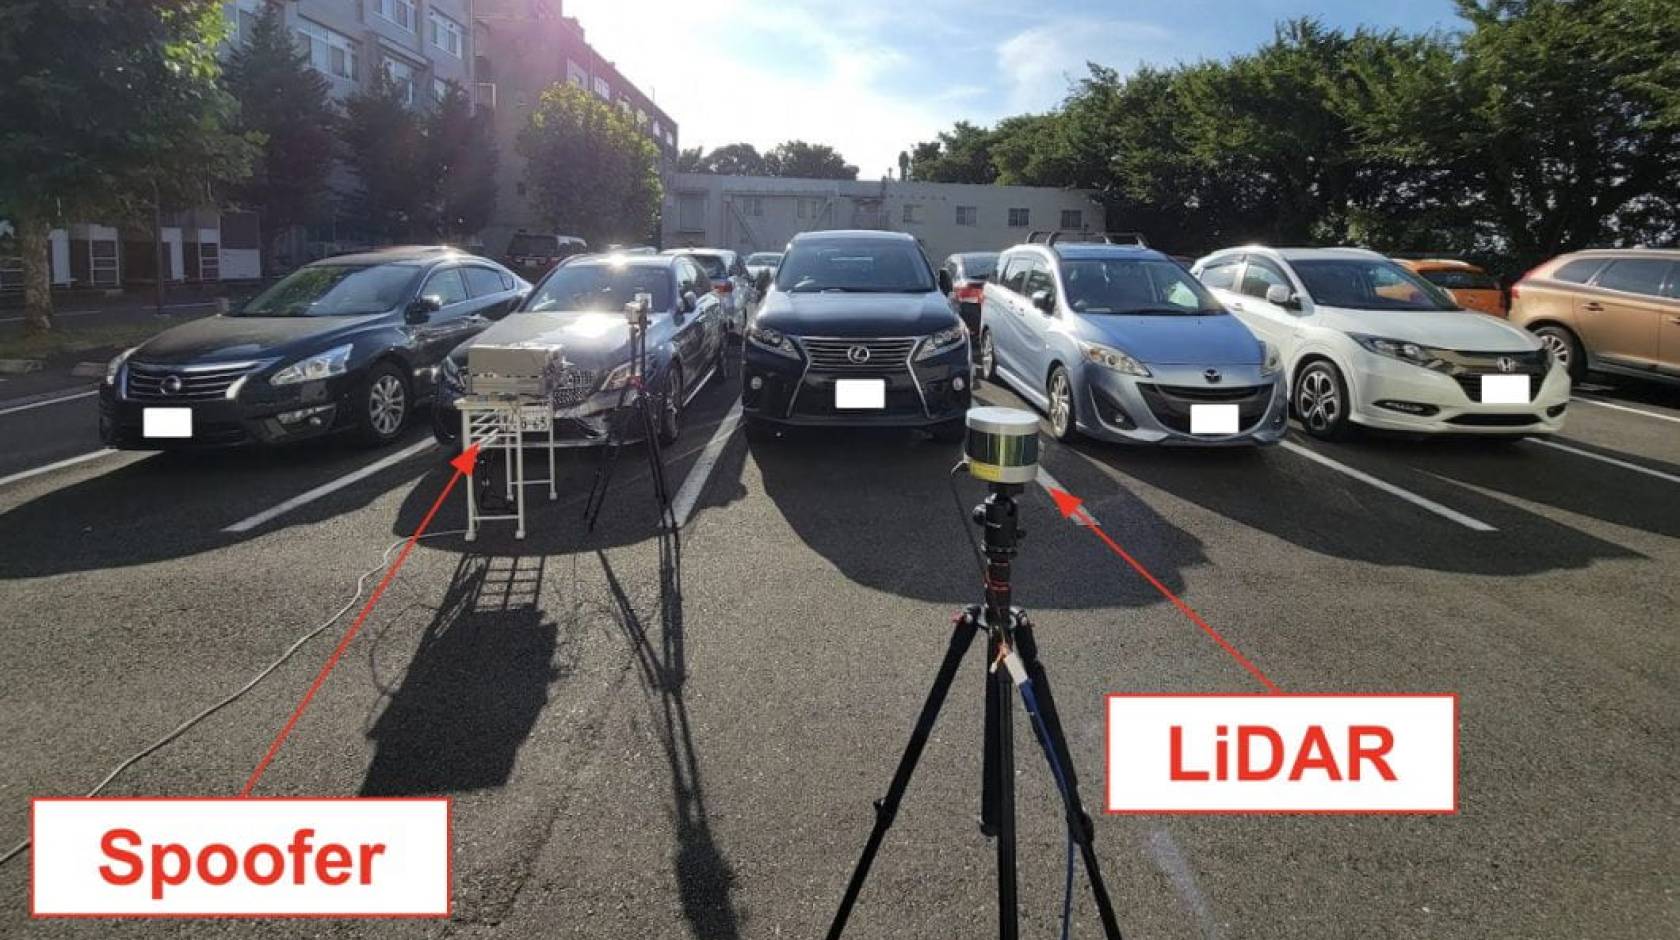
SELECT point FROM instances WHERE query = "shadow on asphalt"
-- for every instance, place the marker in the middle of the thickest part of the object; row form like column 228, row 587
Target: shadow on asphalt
column 1631, row 391
column 704, row 877
column 475, row 687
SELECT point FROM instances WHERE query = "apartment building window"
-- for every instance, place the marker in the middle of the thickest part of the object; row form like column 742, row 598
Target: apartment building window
column 440, row 89
column 401, row 74
column 753, row 206
column 602, row 88
column 1073, row 220
column 1019, row 218
column 912, row 214
column 331, row 52
column 400, row 12
column 446, row 33
column 968, row 215
column 243, row 23
column 691, row 212
column 641, row 118
column 576, row 75
column 670, row 139
column 808, row 208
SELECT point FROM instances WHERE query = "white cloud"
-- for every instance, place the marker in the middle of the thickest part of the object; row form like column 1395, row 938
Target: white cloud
column 1038, row 64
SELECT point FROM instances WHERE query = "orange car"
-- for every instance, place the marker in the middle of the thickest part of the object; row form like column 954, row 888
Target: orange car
column 1473, row 288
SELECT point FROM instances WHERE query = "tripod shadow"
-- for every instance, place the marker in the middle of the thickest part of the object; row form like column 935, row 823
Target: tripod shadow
column 704, row 878
column 475, row 687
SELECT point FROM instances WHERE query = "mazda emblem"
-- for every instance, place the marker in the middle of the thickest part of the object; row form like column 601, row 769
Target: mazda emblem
column 858, row 355
column 171, row 385
column 1213, row 376
column 1507, row 364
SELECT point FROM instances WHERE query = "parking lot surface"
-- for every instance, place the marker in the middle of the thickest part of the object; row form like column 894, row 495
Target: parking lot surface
column 657, row 737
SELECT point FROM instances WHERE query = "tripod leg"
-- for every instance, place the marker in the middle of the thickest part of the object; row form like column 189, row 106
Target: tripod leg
column 886, row 808
column 989, row 750
column 1056, row 750
column 1004, row 789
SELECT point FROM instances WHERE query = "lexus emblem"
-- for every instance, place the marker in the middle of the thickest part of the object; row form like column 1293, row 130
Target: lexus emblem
column 1507, row 364
column 171, row 385
column 1213, row 376
column 858, row 355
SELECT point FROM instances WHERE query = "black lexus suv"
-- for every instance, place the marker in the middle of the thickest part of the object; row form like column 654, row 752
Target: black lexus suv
column 857, row 331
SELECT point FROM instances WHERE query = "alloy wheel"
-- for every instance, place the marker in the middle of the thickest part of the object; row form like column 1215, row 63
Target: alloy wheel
column 1557, row 346
column 988, row 356
column 387, row 404
column 1318, row 402
column 1061, row 403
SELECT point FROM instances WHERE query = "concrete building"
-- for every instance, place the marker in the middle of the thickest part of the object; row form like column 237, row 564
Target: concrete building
column 755, row 213
column 523, row 47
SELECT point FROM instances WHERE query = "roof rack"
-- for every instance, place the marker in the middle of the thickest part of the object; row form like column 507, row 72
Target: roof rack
column 1050, row 238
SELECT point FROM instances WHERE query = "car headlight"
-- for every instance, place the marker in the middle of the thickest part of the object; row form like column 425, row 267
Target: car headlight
column 942, row 342
column 116, row 366
column 616, row 379
column 1421, row 356
column 1110, row 358
column 449, row 375
column 1273, row 363
column 772, row 340
column 333, row 362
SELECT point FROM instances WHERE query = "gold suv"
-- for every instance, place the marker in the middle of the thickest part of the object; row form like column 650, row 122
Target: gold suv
column 1609, row 310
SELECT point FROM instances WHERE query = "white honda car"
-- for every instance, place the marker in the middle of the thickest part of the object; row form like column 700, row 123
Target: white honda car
column 1365, row 341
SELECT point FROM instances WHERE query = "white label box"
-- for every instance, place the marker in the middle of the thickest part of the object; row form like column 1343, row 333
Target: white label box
column 1504, row 389
column 1282, row 754
column 1213, row 419
column 166, row 422
column 240, row 857
column 860, row 393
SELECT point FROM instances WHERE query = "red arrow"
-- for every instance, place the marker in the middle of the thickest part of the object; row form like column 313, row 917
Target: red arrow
column 463, row 465
column 1071, row 506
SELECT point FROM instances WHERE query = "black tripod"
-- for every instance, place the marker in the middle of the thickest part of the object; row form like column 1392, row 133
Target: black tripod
column 1011, row 646
column 639, row 414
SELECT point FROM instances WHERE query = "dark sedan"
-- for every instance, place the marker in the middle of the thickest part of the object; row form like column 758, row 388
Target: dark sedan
column 349, row 344
column 857, row 330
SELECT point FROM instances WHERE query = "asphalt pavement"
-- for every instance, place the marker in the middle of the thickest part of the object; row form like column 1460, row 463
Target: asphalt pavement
column 655, row 737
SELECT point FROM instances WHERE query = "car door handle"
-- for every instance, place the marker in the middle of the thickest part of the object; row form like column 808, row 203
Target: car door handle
column 1674, row 320
column 1592, row 305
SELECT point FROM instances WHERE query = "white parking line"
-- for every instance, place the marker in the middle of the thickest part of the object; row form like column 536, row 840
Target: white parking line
column 695, row 483
column 48, row 401
column 1637, row 411
column 68, row 462
column 325, row 489
column 1625, row 465
column 1049, row 483
column 1389, row 488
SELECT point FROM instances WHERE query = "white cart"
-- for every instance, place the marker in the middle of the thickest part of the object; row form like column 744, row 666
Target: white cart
column 508, row 424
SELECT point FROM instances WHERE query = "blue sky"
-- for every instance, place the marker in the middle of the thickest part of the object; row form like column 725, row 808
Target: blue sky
column 872, row 77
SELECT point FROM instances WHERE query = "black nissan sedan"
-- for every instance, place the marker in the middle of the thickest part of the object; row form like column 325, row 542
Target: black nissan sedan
column 349, row 344
column 857, row 330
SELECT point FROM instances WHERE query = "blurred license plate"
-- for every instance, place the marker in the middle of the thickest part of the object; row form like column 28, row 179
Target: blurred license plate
column 860, row 393
column 166, row 422
column 1213, row 419
column 1504, row 389
column 534, row 421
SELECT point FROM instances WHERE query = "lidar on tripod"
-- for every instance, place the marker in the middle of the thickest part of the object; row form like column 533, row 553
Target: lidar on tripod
column 1001, row 449
column 633, row 414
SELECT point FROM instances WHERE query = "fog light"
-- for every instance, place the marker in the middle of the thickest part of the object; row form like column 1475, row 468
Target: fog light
column 312, row 415
column 756, row 383
column 1555, row 410
column 958, row 384
column 1408, row 407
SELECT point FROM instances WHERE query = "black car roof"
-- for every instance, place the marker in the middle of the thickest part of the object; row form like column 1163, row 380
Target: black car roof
column 400, row 254
column 853, row 235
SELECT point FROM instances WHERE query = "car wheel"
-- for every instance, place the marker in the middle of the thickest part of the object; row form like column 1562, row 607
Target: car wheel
column 1565, row 348
column 671, row 406
column 384, row 403
column 446, row 429
column 1321, row 401
column 988, row 357
column 1064, row 420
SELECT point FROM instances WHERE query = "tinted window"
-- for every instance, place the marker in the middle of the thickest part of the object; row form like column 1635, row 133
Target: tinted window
column 598, row 286
column 1261, row 275
column 1641, row 276
column 712, row 265
column 693, row 279
column 327, row 290
column 1361, row 284
column 1221, row 274
column 977, row 267
column 764, row 259
column 1579, row 271
column 1458, row 279
column 543, row 245
column 1015, row 273
column 1134, row 285
column 483, row 281
column 1038, row 279
column 862, row 265
column 446, row 286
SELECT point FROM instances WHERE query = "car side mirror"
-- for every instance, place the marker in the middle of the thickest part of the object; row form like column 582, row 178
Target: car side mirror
column 762, row 282
column 946, row 286
column 689, row 302
column 1043, row 301
column 423, row 307
column 1282, row 297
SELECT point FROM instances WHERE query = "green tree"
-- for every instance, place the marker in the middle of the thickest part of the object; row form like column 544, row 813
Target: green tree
column 962, row 154
column 385, row 144
column 109, row 109
column 691, row 160
column 463, row 158
column 796, row 158
column 736, row 160
column 289, row 104
column 589, row 168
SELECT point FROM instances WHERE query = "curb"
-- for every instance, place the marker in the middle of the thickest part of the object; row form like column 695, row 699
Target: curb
column 20, row 366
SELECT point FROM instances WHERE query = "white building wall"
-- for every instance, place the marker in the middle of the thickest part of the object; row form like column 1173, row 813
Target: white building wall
column 751, row 213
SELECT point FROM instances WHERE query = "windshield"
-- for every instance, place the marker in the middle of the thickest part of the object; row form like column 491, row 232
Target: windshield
column 1369, row 284
column 978, row 267
column 877, row 267
column 764, row 259
column 1459, row 279
column 713, row 265
column 602, row 287
column 1132, row 286
column 334, row 290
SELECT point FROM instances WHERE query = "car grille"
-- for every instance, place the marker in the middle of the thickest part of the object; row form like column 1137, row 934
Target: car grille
column 568, row 388
column 1469, row 367
column 1171, row 403
column 195, row 383
column 1472, row 385
column 835, row 355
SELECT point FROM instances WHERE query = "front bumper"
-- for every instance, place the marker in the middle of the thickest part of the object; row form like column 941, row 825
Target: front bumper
column 1157, row 409
column 1386, row 394
column 252, row 417
column 781, row 390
